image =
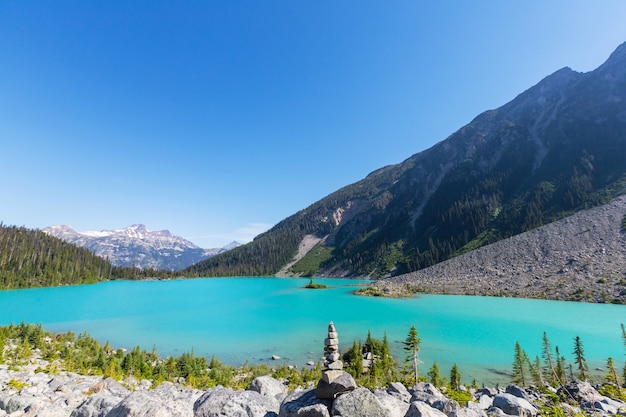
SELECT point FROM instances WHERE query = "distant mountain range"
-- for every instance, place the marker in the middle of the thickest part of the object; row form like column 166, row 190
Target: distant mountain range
column 556, row 149
column 137, row 246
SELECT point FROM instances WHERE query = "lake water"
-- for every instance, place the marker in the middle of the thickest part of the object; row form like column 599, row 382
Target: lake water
column 251, row 319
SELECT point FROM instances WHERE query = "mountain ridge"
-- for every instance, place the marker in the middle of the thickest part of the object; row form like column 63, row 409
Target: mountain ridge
column 137, row 246
column 555, row 149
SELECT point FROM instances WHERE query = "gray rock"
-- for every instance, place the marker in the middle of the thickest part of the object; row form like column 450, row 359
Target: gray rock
column 224, row 402
column 485, row 402
column 469, row 412
column 144, row 404
column 419, row 409
column 425, row 397
column 394, row 405
column 428, row 388
column 342, row 384
column 13, row 403
column 447, row 406
column 304, row 404
column 116, row 388
column 518, row 392
column 513, row 405
column 96, row 406
column 399, row 391
column 358, row 403
column 271, row 387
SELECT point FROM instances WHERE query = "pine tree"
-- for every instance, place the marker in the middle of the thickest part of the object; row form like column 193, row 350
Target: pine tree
column 535, row 371
column 611, row 375
column 549, row 371
column 579, row 355
column 434, row 375
column 412, row 347
column 520, row 362
column 560, row 365
column 455, row 378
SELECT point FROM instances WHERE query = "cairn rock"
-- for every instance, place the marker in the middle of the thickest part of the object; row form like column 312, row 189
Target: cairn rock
column 513, row 405
column 358, row 403
column 304, row 404
column 339, row 385
column 331, row 349
column 334, row 380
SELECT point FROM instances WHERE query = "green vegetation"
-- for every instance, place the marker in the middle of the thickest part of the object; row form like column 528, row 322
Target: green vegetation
column 312, row 261
column 314, row 285
column 31, row 258
column 84, row 355
column 412, row 347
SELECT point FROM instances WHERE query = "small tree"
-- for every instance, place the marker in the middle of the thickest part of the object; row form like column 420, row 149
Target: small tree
column 434, row 375
column 412, row 347
column 579, row 355
column 611, row 375
column 455, row 378
column 520, row 366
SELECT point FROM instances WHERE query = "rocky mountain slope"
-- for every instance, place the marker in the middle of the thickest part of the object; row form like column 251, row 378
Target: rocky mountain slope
column 137, row 246
column 555, row 149
column 581, row 258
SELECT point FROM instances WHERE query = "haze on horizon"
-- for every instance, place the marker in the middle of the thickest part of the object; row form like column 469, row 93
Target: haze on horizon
column 216, row 120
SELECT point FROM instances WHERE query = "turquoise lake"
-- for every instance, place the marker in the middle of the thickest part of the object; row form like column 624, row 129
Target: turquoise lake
column 251, row 319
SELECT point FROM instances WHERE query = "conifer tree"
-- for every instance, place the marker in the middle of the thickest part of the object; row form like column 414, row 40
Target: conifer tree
column 549, row 371
column 412, row 347
column 520, row 362
column 611, row 375
column 579, row 356
column 560, row 365
column 455, row 378
column 434, row 375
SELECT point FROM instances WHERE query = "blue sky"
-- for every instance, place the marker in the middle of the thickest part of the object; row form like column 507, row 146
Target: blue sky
column 218, row 119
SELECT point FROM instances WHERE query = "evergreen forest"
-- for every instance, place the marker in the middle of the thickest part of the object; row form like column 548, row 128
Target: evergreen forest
column 31, row 258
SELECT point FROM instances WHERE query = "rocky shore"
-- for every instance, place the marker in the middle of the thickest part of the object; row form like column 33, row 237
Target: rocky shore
column 579, row 258
column 27, row 392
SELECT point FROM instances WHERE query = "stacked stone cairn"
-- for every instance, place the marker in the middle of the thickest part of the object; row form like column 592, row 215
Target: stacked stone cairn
column 335, row 381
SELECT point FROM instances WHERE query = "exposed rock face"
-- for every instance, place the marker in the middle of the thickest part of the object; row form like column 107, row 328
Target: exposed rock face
column 358, row 403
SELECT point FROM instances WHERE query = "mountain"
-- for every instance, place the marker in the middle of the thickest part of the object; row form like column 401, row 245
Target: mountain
column 555, row 149
column 32, row 258
column 137, row 246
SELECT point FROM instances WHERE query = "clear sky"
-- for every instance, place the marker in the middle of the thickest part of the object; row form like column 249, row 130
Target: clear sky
column 217, row 119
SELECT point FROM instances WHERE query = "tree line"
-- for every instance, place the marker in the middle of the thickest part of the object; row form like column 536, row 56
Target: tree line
column 31, row 258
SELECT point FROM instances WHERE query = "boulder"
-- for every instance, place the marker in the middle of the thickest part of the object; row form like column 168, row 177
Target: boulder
column 428, row 388
column 96, row 406
column 447, row 406
column 399, row 391
column 339, row 385
column 225, row 402
column 271, row 387
column 513, row 405
column 518, row 392
column 580, row 390
column 358, row 403
column 13, row 403
column 304, row 404
column 145, row 404
column 394, row 405
column 419, row 409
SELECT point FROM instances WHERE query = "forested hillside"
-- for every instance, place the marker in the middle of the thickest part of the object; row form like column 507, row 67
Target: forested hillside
column 31, row 258
column 555, row 149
